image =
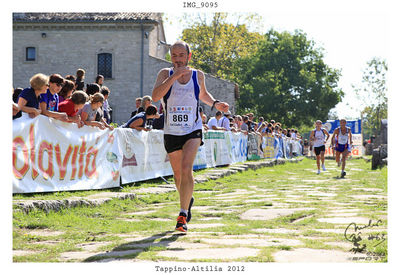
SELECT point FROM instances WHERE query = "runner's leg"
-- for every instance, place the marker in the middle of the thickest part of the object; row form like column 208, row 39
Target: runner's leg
column 189, row 152
column 175, row 158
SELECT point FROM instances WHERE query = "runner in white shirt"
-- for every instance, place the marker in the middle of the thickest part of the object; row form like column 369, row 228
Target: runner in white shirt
column 181, row 88
column 319, row 136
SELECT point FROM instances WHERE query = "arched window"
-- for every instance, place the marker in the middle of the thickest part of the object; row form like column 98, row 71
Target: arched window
column 104, row 64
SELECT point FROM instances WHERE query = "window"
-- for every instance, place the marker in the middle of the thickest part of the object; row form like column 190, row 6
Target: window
column 104, row 64
column 30, row 54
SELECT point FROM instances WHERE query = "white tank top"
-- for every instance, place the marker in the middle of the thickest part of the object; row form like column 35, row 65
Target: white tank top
column 181, row 107
column 319, row 138
column 343, row 139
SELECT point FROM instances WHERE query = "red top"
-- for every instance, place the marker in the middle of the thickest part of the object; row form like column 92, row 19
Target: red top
column 68, row 107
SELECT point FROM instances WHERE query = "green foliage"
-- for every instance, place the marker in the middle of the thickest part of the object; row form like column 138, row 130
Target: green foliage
column 287, row 80
column 373, row 93
column 216, row 45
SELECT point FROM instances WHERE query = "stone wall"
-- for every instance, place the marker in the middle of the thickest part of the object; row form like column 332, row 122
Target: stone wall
column 67, row 47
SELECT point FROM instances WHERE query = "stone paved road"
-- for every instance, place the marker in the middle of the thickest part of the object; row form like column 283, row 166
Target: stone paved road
column 299, row 217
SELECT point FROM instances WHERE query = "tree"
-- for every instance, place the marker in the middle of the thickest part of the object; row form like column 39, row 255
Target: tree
column 216, row 45
column 287, row 80
column 373, row 93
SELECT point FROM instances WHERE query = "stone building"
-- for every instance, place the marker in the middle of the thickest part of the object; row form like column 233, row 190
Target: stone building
column 127, row 48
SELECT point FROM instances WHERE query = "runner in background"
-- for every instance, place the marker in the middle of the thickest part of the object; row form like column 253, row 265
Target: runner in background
column 319, row 136
column 343, row 138
column 181, row 88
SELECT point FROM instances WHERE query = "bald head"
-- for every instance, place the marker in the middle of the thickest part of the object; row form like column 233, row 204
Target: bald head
column 181, row 43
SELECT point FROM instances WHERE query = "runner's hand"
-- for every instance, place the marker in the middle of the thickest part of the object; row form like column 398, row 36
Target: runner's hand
column 182, row 71
column 222, row 106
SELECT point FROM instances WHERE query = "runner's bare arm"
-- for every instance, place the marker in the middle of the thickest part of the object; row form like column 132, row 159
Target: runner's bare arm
column 207, row 98
column 350, row 137
column 333, row 136
column 327, row 135
column 312, row 136
column 164, row 81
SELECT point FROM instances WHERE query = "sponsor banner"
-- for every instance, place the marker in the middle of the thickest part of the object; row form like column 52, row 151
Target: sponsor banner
column 268, row 147
column 143, row 155
column 355, row 125
column 253, row 145
column 51, row 155
column 238, row 148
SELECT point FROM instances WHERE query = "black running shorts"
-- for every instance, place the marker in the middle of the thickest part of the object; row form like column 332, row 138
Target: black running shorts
column 318, row 150
column 174, row 143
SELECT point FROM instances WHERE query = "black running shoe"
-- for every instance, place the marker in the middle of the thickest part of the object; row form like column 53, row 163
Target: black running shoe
column 181, row 224
column 343, row 174
column 189, row 216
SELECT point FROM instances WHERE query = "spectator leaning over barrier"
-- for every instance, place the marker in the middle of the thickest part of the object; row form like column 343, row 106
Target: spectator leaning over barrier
column 89, row 110
column 49, row 101
column 16, row 93
column 106, row 107
column 213, row 122
column 92, row 88
column 138, row 122
column 80, row 77
column 139, row 107
column 71, row 107
column 28, row 100
column 66, row 91
column 260, row 121
column 224, row 121
column 237, row 122
column 245, row 127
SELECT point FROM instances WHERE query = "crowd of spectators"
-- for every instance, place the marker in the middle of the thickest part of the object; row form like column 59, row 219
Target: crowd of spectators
column 65, row 99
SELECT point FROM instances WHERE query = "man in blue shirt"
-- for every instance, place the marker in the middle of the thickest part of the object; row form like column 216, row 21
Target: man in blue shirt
column 49, row 101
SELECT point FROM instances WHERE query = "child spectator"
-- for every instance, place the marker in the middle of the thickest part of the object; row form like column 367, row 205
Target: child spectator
column 138, row 122
column 71, row 107
column 92, row 88
column 89, row 110
column 66, row 90
column 49, row 101
column 28, row 100
column 106, row 107
column 80, row 76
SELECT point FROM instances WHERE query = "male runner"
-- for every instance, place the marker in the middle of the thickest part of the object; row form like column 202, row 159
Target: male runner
column 319, row 136
column 343, row 143
column 180, row 89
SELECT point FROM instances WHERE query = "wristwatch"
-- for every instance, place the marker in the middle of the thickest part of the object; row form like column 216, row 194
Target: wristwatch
column 213, row 105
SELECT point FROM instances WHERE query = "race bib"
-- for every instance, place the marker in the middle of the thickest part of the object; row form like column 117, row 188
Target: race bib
column 180, row 117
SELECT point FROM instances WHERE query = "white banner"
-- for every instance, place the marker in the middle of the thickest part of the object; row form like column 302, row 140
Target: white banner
column 143, row 155
column 51, row 155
